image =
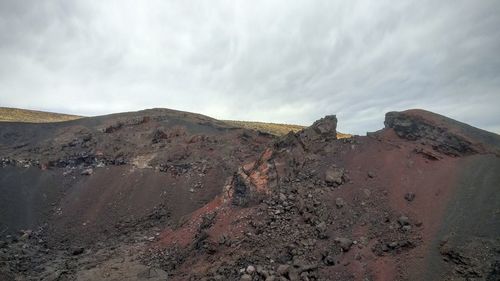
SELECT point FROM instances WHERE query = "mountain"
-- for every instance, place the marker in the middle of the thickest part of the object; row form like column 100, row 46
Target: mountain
column 159, row 194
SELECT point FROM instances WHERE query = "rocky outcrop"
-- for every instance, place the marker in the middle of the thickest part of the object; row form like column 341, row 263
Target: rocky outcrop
column 323, row 129
column 445, row 135
column 284, row 160
column 253, row 181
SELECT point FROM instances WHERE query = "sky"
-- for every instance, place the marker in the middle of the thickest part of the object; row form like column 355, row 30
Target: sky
column 277, row 61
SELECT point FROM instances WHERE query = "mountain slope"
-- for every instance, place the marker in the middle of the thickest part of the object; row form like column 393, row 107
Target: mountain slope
column 179, row 159
column 156, row 193
column 382, row 207
column 32, row 116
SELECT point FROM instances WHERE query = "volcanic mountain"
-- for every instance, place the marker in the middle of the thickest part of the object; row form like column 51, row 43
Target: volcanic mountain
column 167, row 195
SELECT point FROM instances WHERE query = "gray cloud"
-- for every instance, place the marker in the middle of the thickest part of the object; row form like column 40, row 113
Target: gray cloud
column 280, row 61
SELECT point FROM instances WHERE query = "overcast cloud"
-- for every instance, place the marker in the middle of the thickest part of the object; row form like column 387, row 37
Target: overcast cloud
column 280, row 61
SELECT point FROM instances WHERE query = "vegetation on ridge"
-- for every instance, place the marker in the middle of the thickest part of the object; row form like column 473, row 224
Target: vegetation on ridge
column 273, row 128
column 32, row 116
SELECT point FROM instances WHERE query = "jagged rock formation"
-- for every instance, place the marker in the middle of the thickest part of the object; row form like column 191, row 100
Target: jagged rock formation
column 276, row 164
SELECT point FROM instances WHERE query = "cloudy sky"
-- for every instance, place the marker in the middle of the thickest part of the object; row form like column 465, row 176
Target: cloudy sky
column 280, row 61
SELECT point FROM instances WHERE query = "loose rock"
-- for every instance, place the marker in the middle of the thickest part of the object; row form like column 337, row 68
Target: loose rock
column 250, row 269
column 334, row 176
column 87, row 172
column 77, row 251
column 339, row 202
column 344, row 243
column 403, row 220
column 283, row 269
column 410, row 196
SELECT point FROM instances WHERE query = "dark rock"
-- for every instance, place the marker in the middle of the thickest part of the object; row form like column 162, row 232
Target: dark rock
column 385, row 248
column 159, row 135
column 329, row 259
column 326, row 126
column 410, row 196
column 420, row 125
column 207, row 220
column 241, row 191
column 324, row 129
column 119, row 161
column 494, row 273
column 77, row 251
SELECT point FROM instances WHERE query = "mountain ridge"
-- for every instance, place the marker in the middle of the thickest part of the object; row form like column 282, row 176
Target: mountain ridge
column 8, row 114
column 159, row 192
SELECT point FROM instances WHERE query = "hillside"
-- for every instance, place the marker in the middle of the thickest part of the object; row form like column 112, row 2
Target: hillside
column 161, row 194
column 8, row 114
